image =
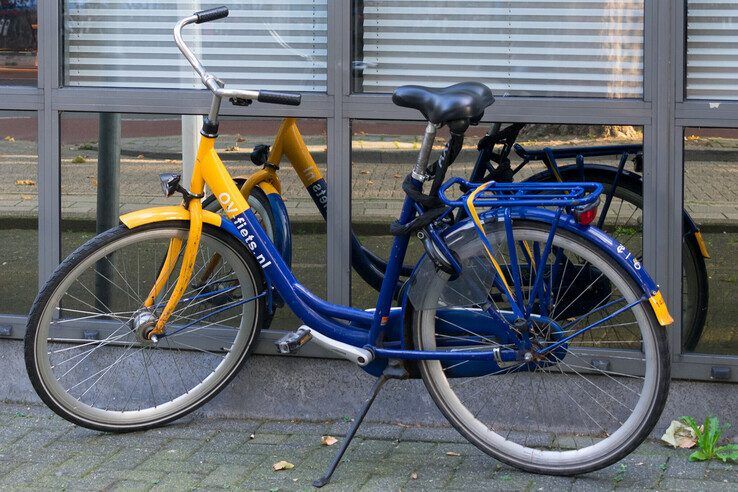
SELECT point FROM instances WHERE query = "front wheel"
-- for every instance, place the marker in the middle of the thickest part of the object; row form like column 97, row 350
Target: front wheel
column 86, row 349
column 583, row 406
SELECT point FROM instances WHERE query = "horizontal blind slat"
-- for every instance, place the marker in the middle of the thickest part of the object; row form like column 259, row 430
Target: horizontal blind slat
column 272, row 44
column 712, row 50
column 584, row 48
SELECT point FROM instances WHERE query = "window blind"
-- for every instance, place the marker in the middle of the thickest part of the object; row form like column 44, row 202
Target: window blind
column 712, row 49
column 274, row 44
column 558, row 48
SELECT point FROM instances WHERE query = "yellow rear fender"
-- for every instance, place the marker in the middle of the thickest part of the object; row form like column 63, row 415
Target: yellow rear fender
column 162, row 214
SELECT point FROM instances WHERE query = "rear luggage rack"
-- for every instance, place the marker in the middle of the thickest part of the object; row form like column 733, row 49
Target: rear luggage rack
column 493, row 194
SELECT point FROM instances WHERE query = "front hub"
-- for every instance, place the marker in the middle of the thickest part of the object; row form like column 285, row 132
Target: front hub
column 142, row 324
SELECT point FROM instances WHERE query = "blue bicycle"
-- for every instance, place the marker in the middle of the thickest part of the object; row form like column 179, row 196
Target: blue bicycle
column 538, row 336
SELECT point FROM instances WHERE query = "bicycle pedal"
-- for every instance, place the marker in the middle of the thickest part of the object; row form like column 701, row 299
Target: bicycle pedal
column 292, row 342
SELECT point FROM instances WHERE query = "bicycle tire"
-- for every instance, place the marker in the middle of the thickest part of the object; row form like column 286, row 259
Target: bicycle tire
column 537, row 458
column 249, row 276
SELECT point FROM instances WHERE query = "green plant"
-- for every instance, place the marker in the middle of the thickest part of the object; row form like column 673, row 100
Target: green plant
column 708, row 436
column 620, row 474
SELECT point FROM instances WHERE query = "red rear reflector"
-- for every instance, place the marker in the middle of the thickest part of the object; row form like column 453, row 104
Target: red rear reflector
column 585, row 217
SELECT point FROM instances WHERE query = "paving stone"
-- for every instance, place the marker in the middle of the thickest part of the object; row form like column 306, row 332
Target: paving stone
column 586, row 483
column 293, row 428
column 378, row 483
column 132, row 485
column 425, row 477
column 81, row 464
column 678, row 485
column 541, row 483
column 222, row 456
column 226, row 475
column 370, row 431
column 178, row 481
column 681, row 467
column 176, row 467
column 432, row 435
column 179, row 449
column 414, row 447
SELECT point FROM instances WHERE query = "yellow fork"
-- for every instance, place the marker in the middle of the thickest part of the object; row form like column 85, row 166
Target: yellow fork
column 185, row 273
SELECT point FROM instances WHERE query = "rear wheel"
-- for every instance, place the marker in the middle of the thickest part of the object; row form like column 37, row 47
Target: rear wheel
column 579, row 408
column 86, row 349
column 624, row 221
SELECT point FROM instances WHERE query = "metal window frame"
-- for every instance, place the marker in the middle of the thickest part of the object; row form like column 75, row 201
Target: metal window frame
column 663, row 113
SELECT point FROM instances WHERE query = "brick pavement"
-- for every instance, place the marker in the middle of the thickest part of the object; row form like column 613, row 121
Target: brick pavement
column 41, row 451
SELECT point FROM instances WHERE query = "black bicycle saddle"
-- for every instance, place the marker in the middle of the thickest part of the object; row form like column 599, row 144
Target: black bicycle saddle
column 466, row 100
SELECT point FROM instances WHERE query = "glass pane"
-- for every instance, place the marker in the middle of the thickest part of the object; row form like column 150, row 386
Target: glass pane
column 262, row 45
column 586, row 48
column 18, row 42
column 97, row 187
column 18, row 212
column 712, row 63
column 710, row 284
column 384, row 152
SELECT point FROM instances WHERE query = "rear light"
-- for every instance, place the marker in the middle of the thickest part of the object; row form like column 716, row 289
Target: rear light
column 586, row 214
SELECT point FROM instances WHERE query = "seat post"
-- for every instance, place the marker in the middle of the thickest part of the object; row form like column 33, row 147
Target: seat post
column 425, row 150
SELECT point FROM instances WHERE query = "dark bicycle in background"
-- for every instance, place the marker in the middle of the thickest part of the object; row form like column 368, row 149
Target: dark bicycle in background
column 622, row 211
column 621, row 215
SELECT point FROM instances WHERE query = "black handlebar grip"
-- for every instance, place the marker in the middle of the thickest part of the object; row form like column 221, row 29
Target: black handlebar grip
column 211, row 14
column 279, row 98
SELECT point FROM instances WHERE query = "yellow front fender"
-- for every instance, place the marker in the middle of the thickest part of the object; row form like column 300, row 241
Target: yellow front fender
column 161, row 214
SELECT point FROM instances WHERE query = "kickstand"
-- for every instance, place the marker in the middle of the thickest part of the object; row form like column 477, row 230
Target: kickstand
column 392, row 371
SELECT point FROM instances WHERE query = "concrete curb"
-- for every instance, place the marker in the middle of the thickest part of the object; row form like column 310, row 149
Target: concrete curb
column 377, row 156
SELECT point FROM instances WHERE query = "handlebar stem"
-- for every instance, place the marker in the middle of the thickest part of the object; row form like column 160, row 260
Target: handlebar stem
column 209, row 80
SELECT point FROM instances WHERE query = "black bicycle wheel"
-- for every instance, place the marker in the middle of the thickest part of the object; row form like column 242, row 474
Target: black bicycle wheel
column 624, row 223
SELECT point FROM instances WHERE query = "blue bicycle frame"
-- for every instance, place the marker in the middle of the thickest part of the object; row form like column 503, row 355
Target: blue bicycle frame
column 381, row 331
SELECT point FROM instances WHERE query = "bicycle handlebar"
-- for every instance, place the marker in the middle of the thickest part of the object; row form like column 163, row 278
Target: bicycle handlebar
column 210, row 81
column 211, row 14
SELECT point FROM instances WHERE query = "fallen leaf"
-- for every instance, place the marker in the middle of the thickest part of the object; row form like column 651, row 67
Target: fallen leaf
column 27, row 197
column 235, row 148
column 25, row 182
column 282, row 465
column 9, row 139
column 452, row 453
column 140, row 156
column 413, row 476
column 363, row 172
column 679, row 435
column 328, row 440
column 397, row 175
column 240, row 139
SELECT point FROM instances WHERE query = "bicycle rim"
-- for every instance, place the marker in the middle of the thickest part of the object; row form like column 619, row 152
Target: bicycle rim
column 566, row 414
column 88, row 359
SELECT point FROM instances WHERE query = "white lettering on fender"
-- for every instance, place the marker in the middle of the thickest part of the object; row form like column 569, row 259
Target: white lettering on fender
column 624, row 252
column 248, row 239
column 228, row 205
